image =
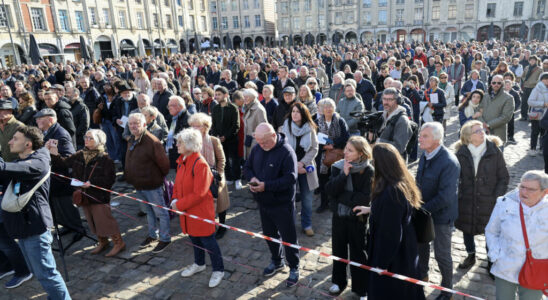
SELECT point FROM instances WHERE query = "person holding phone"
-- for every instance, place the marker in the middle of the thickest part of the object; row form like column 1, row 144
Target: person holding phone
column 350, row 186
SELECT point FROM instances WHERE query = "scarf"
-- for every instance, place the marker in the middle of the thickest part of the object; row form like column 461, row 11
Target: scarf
column 333, row 132
column 477, row 153
column 357, row 167
column 442, row 86
column 470, row 109
column 304, row 132
column 207, row 102
column 208, row 152
column 89, row 155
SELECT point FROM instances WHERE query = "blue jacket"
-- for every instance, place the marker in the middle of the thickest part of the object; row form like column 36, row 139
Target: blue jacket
column 35, row 218
column 277, row 168
column 367, row 90
column 438, row 180
column 467, row 87
column 60, row 186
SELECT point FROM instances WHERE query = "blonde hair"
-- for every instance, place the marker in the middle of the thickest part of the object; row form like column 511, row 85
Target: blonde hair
column 466, row 131
column 200, row 118
column 362, row 146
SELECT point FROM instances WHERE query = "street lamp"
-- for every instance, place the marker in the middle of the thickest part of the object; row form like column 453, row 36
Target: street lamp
column 17, row 60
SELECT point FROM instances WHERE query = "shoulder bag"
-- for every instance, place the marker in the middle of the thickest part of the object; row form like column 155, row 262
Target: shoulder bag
column 424, row 225
column 534, row 273
column 15, row 203
column 77, row 197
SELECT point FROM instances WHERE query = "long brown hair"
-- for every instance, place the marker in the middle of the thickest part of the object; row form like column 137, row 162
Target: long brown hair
column 390, row 169
column 305, row 115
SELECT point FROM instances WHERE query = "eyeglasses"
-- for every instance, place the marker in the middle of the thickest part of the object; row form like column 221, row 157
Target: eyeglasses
column 528, row 189
column 311, row 83
column 481, row 130
column 496, row 82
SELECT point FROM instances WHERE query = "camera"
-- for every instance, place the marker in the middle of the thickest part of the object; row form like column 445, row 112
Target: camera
column 368, row 121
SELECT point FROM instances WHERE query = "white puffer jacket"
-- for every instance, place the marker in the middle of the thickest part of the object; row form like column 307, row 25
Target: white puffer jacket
column 505, row 239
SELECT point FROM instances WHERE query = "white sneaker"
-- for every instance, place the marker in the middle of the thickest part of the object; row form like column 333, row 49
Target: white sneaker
column 334, row 289
column 191, row 270
column 216, row 278
column 363, row 298
column 229, row 182
column 238, row 184
column 532, row 152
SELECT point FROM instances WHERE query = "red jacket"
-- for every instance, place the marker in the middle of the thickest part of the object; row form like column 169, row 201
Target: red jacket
column 193, row 195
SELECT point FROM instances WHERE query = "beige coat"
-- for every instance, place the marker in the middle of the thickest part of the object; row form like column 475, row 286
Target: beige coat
column 223, row 203
column 253, row 116
column 531, row 82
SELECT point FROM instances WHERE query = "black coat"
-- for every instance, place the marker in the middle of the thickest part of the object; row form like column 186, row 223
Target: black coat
column 27, row 115
column 35, row 218
column 278, row 88
column 226, row 122
column 367, row 90
column 91, row 99
column 80, row 113
column 160, row 100
column 478, row 192
column 392, row 245
column 280, row 114
column 65, row 119
column 360, row 181
column 118, row 111
column 65, row 147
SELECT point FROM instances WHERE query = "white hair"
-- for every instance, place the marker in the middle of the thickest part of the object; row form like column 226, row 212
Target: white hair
column 151, row 110
column 145, row 97
column 327, row 102
column 138, row 116
column 195, row 90
column 191, row 138
column 99, row 136
column 251, row 93
column 536, row 175
column 179, row 100
column 437, row 130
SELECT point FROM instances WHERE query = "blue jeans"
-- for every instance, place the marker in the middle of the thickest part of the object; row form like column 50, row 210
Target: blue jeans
column 113, row 141
column 306, row 196
column 156, row 217
column 209, row 243
column 37, row 252
column 11, row 258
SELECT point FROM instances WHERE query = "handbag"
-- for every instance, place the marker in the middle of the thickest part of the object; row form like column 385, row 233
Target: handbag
column 344, row 211
column 77, row 195
column 424, row 225
column 534, row 273
column 13, row 203
column 97, row 116
column 535, row 113
column 333, row 155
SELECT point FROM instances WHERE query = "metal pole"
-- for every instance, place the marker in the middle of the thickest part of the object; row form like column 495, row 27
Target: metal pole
column 159, row 30
column 17, row 59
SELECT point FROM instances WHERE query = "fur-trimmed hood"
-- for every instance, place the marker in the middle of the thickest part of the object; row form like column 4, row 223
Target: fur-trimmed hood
column 492, row 138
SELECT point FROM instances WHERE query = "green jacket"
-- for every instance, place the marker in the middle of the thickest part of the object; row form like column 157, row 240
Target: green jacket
column 497, row 112
column 5, row 136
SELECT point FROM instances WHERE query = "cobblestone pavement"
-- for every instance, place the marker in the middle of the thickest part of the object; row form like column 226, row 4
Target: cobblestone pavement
column 138, row 274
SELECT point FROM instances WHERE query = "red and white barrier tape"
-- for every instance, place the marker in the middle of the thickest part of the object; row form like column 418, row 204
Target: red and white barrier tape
column 301, row 248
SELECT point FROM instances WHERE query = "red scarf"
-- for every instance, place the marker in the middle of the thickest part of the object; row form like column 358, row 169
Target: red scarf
column 207, row 102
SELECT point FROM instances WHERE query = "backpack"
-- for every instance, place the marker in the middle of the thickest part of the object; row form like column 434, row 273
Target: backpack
column 214, row 186
column 413, row 139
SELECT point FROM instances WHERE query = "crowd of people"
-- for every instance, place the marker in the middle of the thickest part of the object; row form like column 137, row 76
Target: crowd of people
column 288, row 124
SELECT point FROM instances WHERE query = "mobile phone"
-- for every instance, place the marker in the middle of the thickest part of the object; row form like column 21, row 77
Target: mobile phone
column 253, row 183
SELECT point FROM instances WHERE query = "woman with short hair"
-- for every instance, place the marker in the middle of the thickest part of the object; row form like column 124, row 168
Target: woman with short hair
column 483, row 178
column 92, row 165
column 192, row 194
column 504, row 235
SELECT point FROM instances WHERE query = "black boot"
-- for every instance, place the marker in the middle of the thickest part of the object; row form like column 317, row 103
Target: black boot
column 220, row 233
column 323, row 204
column 468, row 262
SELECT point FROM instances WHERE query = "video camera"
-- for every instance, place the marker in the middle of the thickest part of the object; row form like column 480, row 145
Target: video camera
column 368, row 121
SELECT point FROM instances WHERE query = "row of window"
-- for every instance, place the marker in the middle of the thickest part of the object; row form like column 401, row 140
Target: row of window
column 235, row 22
column 234, row 5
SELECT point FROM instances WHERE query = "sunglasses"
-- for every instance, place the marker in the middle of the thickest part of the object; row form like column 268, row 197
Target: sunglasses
column 496, row 82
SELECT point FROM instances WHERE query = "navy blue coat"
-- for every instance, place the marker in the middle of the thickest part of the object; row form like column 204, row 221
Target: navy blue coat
column 65, row 147
column 467, row 87
column 392, row 245
column 438, row 180
column 35, row 218
column 367, row 90
column 277, row 168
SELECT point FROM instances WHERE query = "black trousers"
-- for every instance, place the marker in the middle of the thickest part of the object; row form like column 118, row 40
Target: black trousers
column 511, row 128
column 524, row 105
column 66, row 214
column 349, row 235
column 233, row 170
column 280, row 221
column 545, row 154
column 536, row 131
